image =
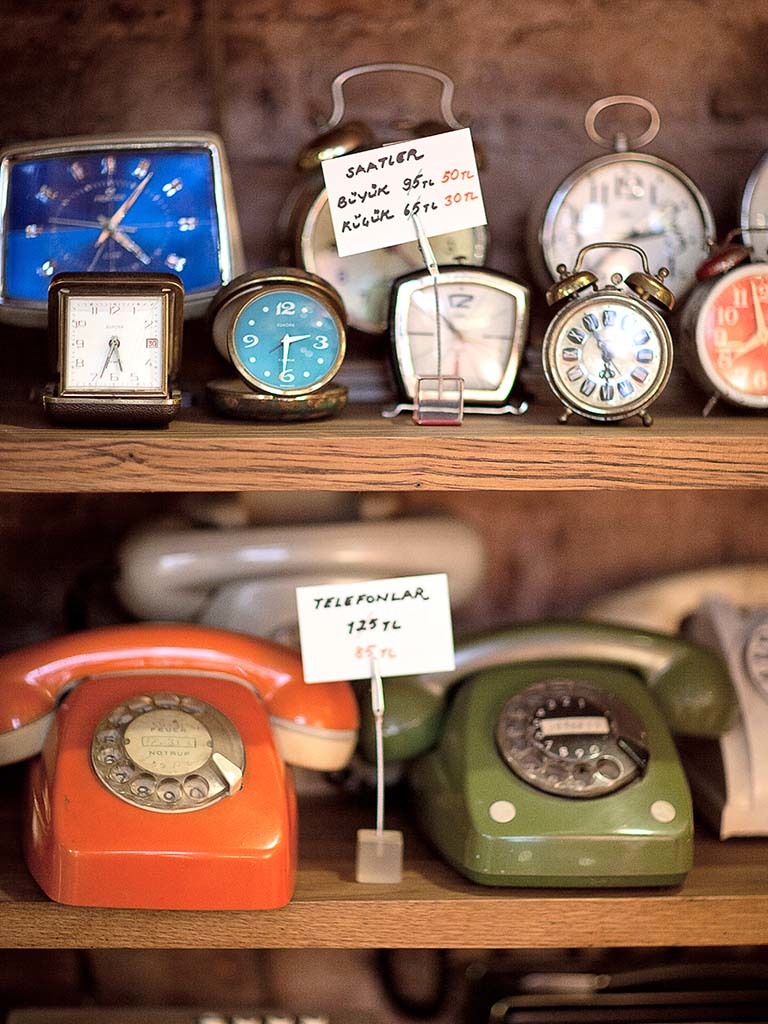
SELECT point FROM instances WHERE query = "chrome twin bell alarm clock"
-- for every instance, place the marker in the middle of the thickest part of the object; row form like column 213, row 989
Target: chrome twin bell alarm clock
column 724, row 326
column 364, row 280
column 607, row 354
column 284, row 332
column 624, row 197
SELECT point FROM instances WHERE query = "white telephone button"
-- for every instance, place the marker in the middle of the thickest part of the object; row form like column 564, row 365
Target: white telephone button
column 502, row 811
column 663, row 811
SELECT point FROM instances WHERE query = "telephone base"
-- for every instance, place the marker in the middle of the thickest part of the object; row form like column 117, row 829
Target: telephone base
column 86, row 847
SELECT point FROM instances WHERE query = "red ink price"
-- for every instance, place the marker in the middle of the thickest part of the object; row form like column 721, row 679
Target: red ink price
column 460, row 197
column 456, row 175
column 374, row 651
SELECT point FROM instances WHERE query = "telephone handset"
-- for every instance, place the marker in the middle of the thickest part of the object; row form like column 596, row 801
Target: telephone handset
column 246, row 578
column 724, row 608
column 162, row 781
column 552, row 763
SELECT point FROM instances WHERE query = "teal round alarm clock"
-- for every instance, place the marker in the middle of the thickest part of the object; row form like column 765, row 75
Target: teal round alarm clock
column 284, row 332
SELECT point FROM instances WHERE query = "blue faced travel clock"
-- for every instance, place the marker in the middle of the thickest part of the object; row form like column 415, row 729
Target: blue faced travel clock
column 158, row 203
column 284, row 331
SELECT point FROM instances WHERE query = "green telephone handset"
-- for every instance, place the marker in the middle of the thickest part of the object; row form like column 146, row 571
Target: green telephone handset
column 553, row 763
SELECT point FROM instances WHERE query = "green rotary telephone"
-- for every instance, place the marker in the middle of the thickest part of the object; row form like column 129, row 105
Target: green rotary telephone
column 546, row 758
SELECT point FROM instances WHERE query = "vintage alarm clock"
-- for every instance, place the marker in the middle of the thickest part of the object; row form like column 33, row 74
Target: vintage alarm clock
column 149, row 202
column 117, row 344
column 364, row 280
column 483, row 330
column 724, row 326
column 754, row 201
column 607, row 353
column 624, row 197
column 284, row 332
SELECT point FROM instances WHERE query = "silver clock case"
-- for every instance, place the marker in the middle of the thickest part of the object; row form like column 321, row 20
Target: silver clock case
column 168, row 752
column 568, row 309
column 447, row 278
column 541, row 224
column 695, row 356
column 231, row 258
column 754, row 203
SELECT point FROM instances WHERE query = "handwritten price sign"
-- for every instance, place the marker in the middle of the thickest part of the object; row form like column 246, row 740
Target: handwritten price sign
column 374, row 195
column 404, row 624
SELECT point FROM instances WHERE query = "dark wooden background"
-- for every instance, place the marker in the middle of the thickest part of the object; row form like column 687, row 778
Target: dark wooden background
column 258, row 72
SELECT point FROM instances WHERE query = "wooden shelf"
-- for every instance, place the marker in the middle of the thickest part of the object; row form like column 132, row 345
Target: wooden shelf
column 724, row 901
column 361, row 451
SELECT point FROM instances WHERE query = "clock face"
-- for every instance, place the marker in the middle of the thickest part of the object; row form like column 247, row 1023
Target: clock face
column 483, row 326
column 754, row 206
column 364, row 281
column 607, row 357
column 114, row 344
column 732, row 336
column 287, row 341
column 111, row 210
column 629, row 198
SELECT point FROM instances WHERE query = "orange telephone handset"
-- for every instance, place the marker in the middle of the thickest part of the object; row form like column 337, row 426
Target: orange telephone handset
column 162, row 780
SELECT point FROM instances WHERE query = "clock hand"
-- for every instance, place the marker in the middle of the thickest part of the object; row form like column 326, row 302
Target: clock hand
column 113, row 344
column 117, row 217
column 72, row 223
column 130, row 246
column 760, row 325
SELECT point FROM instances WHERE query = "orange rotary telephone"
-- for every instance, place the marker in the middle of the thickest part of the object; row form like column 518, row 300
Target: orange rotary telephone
column 162, row 781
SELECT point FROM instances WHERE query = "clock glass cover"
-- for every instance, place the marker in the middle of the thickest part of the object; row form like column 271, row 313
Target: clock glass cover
column 285, row 340
column 129, row 206
column 635, row 198
column 483, row 328
column 607, row 357
column 732, row 336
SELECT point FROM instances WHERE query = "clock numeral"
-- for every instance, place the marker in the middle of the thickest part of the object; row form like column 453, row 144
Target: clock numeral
column 79, row 343
column 79, row 364
column 77, row 171
column 575, row 373
column 639, row 374
column 147, row 323
column 287, row 376
column 628, row 186
column 739, row 297
column 606, row 392
column 591, row 322
column 78, row 323
column 588, row 387
column 599, row 192
column 33, row 230
column 45, row 194
column 320, row 342
column 645, row 355
column 187, row 223
column 625, row 388
column 285, row 309
column 152, row 343
column 576, row 336
column 626, row 322
column 141, row 169
column 609, row 317
column 727, row 316
column 570, row 355
column 460, row 300
column 641, row 338
column 172, row 187
column 114, row 307
column 108, row 164
column 47, row 269
column 249, row 340
column 134, row 378
column 114, row 377
column 174, row 262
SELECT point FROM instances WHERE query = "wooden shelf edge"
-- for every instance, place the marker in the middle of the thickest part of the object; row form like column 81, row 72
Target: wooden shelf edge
column 366, row 453
column 509, row 921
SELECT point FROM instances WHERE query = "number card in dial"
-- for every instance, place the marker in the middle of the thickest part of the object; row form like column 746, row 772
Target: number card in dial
column 374, row 195
column 403, row 624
